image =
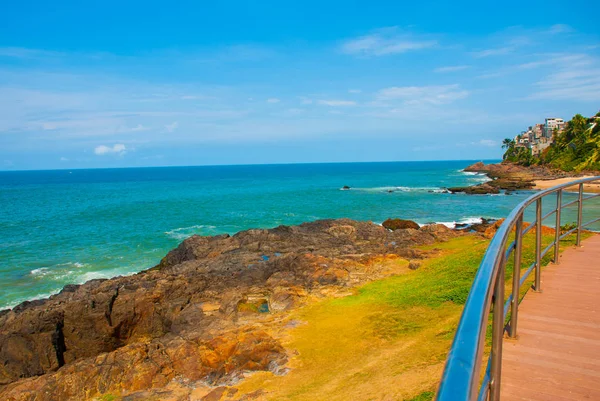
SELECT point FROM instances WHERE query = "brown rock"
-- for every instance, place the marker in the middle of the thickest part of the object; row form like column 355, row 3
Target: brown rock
column 195, row 316
column 480, row 189
column 413, row 265
column 399, row 224
column 476, row 168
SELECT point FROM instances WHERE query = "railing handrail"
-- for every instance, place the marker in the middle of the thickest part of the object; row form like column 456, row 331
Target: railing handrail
column 462, row 373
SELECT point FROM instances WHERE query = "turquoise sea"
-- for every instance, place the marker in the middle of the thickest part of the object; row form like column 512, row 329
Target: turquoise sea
column 61, row 227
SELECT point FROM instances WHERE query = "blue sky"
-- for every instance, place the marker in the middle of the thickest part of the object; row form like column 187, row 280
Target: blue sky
column 115, row 84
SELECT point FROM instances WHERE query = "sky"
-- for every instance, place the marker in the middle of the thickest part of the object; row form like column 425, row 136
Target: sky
column 124, row 84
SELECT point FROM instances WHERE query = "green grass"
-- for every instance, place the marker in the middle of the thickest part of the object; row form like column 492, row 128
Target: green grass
column 425, row 396
column 390, row 339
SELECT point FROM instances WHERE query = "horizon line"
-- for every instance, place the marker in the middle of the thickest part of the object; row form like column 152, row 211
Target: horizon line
column 243, row 165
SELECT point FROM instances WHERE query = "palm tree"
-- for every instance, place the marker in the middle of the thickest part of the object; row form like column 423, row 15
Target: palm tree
column 507, row 143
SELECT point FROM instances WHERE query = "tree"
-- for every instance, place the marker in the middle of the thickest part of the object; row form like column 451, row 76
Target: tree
column 508, row 143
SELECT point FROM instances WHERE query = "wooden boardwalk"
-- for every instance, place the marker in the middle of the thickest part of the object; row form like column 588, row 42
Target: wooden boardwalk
column 557, row 353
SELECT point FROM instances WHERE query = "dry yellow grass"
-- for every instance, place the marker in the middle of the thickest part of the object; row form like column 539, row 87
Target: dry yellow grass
column 388, row 341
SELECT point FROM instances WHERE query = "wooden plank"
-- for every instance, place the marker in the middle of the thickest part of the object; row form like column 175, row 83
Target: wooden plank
column 557, row 353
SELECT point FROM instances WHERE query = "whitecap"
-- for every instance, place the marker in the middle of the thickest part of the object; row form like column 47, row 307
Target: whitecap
column 452, row 224
column 186, row 232
column 42, row 271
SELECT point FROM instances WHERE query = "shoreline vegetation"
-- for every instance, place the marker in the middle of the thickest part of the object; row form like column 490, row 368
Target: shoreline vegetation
column 569, row 152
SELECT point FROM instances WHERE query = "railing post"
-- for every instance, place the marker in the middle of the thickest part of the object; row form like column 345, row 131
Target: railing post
column 557, row 226
column 579, row 214
column 538, row 245
column 514, row 303
column 497, row 334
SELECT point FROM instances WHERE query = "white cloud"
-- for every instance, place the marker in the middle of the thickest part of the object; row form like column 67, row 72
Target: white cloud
column 138, row 128
column 354, row 91
column 172, row 127
column 576, row 84
column 273, row 100
column 64, row 159
column 452, row 68
column 305, row 100
column 337, row 103
column 118, row 149
column 488, row 142
column 385, row 42
column 493, row 52
column 573, row 77
column 414, row 95
column 571, row 60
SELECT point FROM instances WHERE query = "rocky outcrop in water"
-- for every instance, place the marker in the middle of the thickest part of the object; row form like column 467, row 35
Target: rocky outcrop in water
column 507, row 177
column 203, row 318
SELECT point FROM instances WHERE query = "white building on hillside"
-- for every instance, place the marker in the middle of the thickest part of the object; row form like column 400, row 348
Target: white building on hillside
column 553, row 124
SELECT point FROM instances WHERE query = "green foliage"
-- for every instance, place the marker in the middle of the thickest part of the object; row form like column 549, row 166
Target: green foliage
column 508, row 143
column 596, row 129
column 567, row 227
column 426, row 396
column 576, row 148
column 520, row 155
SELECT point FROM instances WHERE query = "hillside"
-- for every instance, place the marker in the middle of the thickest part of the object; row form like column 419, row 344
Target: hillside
column 574, row 149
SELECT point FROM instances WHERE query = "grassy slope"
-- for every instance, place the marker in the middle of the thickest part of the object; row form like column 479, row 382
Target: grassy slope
column 389, row 340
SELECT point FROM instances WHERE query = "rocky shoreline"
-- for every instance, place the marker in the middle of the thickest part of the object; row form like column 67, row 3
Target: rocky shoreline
column 508, row 177
column 211, row 312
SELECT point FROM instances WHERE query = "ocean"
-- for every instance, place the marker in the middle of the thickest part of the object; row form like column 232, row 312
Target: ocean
column 69, row 226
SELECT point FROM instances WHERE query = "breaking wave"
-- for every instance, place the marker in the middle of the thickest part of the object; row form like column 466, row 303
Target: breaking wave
column 58, row 270
column 476, row 177
column 186, row 232
column 436, row 190
column 452, row 224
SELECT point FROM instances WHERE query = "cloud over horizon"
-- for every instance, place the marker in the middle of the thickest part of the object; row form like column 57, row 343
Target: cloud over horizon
column 117, row 149
column 301, row 95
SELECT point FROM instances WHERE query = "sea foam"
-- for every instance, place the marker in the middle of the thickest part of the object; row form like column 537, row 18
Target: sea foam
column 186, row 232
column 392, row 189
column 466, row 220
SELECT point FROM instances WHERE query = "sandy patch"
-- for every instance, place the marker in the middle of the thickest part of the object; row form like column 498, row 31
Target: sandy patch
column 545, row 184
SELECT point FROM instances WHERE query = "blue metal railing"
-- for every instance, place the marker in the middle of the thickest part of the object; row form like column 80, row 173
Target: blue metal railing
column 462, row 380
